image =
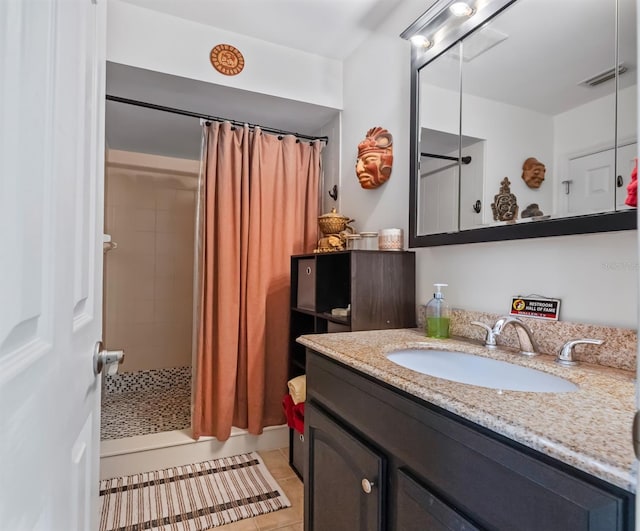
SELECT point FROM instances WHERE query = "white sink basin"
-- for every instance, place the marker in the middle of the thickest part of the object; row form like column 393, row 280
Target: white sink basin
column 477, row 370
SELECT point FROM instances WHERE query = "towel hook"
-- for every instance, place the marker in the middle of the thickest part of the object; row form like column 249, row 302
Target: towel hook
column 333, row 193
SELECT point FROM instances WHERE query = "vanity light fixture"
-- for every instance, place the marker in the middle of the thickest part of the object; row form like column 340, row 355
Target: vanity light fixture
column 433, row 27
column 461, row 9
column 420, row 41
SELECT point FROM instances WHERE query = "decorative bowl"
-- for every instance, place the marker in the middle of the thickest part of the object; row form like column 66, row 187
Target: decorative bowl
column 333, row 223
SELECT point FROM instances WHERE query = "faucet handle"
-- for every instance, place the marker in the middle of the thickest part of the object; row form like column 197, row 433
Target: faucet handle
column 565, row 356
column 490, row 340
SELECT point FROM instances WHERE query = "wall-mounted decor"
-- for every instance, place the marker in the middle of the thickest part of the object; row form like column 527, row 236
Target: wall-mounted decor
column 533, row 172
column 375, row 158
column 227, row 59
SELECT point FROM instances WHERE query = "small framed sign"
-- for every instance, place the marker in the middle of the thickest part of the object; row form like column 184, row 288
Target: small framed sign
column 536, row 307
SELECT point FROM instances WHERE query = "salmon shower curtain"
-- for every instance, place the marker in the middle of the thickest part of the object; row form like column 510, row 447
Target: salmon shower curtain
column 260, row 201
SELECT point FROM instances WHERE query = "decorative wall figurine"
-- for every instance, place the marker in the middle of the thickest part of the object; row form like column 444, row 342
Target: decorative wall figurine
column 532, row 211
column 505, row 204
column 375, row 158
column 533, row 172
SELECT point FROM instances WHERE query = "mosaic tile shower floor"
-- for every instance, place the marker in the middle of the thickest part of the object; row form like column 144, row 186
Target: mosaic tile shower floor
column 146, row 411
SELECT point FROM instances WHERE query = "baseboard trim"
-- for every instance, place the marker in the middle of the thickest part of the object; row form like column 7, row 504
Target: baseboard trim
column 123, row 457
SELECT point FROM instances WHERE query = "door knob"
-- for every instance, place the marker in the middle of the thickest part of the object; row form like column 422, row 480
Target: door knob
column 102, row 357
column 367, row 485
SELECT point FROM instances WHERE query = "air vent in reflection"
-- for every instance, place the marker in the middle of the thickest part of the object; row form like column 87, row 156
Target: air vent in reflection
column 604, row 76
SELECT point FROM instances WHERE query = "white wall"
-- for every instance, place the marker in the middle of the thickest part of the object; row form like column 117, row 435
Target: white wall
column 512, row 135
column 376, row 93
column 155, row 41
column 330, row 163
column 596, row 276
column 591, row 127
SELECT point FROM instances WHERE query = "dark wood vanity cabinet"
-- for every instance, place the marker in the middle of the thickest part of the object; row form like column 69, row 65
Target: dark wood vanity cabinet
column 378, row 285
column 435, row 471
column 344, row 489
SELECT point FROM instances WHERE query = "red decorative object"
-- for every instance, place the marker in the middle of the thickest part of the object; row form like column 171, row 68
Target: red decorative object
column 294, row 413
column 632, row 188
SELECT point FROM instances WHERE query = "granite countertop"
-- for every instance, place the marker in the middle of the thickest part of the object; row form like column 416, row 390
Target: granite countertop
column 589, row 429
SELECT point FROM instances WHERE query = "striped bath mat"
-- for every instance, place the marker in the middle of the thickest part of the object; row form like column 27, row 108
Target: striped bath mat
column 192, row 497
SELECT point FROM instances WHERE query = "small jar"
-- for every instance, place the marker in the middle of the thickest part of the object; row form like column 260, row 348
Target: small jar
column 353, row 242
column 391, row 240
column 369, row 241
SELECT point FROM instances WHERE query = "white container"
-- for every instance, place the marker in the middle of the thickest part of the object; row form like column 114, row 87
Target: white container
column 391, row 240
column 353, row 242
column 369, row 241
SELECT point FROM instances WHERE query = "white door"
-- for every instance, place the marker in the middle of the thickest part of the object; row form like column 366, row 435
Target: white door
column 52, row 58
column 591, row 184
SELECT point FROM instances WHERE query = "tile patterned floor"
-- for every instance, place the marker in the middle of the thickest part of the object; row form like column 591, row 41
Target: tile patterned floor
column 145, row 411
column 290, row 519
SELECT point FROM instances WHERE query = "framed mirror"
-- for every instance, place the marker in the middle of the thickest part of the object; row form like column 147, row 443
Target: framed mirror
column 521, row 124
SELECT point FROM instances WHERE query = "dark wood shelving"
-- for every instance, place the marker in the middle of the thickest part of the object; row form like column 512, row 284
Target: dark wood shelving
column 379, row 286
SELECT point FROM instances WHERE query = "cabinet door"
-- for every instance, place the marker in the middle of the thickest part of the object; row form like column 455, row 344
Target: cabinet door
column 417, row 509
column 343, row 478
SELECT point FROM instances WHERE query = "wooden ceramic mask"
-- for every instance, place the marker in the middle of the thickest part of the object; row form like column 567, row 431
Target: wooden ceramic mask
column 375, row 158
column 533, row 172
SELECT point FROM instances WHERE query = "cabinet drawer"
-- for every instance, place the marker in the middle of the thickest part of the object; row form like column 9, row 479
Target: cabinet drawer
column 306, row 284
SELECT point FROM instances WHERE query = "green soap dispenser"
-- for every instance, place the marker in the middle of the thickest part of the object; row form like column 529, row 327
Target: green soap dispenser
column 437, row 314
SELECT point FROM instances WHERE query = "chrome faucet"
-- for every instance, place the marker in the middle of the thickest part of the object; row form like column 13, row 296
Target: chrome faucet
column 565, row 356
column 528, row 345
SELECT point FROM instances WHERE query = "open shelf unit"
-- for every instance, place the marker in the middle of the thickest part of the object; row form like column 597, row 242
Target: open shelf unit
column 379, row 286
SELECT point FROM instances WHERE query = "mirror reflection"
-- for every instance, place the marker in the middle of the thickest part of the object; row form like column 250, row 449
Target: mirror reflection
column 526, row 118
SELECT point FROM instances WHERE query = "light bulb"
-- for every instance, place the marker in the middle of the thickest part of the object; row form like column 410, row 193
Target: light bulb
column 420, row 41
column 461, row 9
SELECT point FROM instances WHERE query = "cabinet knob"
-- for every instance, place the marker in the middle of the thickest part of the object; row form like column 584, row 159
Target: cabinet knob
column 367, row 485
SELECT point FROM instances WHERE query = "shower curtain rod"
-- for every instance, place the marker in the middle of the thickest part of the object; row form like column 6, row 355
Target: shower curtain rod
column 155, row 107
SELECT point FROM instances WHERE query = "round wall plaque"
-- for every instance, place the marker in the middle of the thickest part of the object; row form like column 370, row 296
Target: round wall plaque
column 227, row 59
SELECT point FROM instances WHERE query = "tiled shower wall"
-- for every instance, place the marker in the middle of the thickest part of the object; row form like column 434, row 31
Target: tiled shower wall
column 148, row 292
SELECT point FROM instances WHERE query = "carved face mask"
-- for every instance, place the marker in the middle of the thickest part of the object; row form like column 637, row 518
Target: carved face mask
column 375, row 158
column 533, row 172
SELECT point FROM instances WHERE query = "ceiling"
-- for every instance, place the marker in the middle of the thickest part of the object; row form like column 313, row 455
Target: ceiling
column 329, row 28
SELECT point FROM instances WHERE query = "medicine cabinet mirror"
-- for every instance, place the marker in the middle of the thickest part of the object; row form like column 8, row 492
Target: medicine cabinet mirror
column 528, row 83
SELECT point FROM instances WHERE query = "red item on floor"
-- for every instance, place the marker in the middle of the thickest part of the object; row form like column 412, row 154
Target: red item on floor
column 632, row 188
column 294, row 413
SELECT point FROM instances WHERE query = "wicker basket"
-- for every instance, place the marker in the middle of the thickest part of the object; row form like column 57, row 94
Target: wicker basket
column 333, row 223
